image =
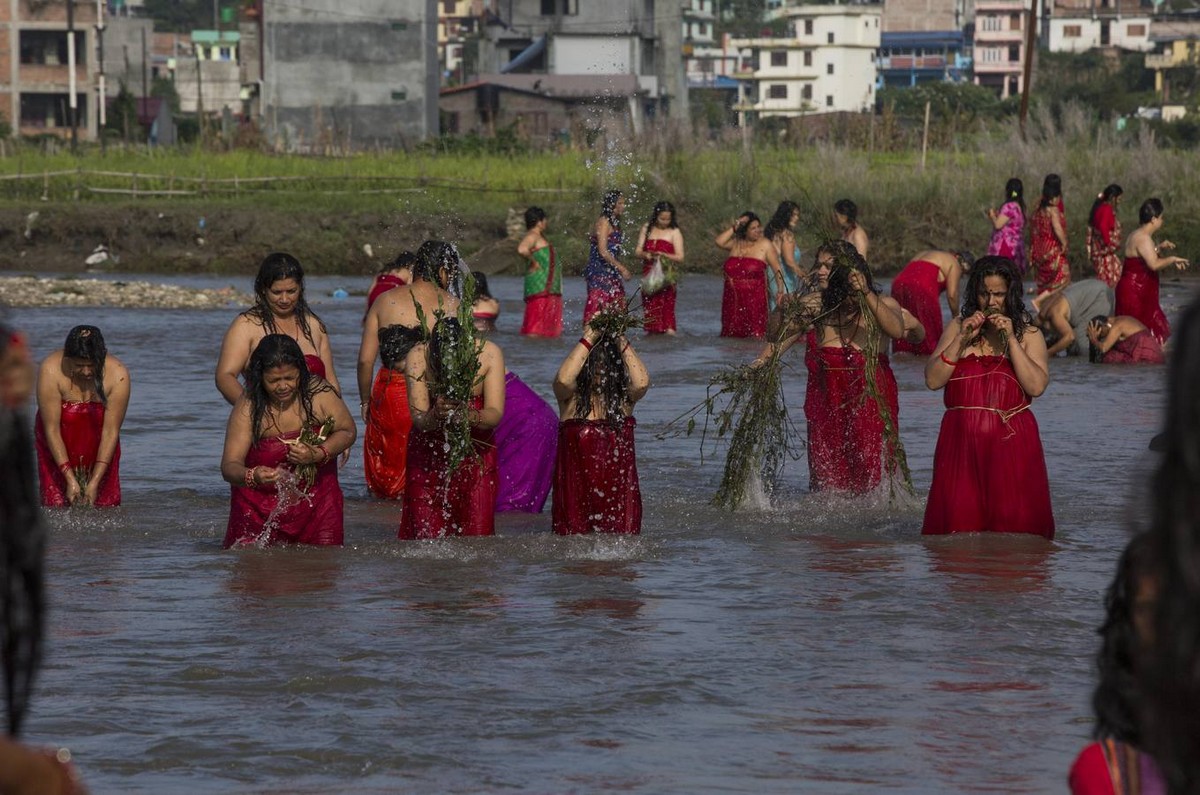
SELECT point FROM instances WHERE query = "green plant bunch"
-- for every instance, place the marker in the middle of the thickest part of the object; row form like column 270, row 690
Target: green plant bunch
column 306, row 474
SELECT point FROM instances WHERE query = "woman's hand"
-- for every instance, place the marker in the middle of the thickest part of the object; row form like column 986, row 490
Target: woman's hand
column 1166, row 245
column 301, row 453
column 91, row 492
column 264, row 476
column 991, row 213
column 1001, row 322
column 970, row 328
column 1093, row 331
column 857, row 282
column 74, row 492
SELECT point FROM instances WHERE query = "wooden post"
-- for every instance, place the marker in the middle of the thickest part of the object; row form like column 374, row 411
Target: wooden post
column 925, row 137
column 1031, row 21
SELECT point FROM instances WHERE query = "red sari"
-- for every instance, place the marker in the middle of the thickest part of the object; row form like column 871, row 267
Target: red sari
column 744, row 302
column 80, row 426
column 916, row 288
column 437, row 503
column 1047, row 257
column 989, row 472
column 385, row 441
column 315, row 365
column 659, row 308
column 316, row 519
column 1104, row 236
column 384, row 283
column 1140, row 348
column 1137, row 296
column 846, row 440
column 596, row 487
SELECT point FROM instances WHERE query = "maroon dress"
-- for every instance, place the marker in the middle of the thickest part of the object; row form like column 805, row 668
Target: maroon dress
column 1140, row 348
column 596, row 486
column 315, row 365
column 744, row 302
column 846, row 440
column 917, row 288
column 1137, row 296
column 659, row 308
column 254, row 515
column 384, row 283
column 989, row 472
column 80, row 426
column 437, row 503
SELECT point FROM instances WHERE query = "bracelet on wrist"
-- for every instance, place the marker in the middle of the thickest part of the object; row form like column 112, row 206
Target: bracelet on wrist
column 584, row 342
column 942, row 356
column 324, row 453
column 250, row 478
column 64, row 467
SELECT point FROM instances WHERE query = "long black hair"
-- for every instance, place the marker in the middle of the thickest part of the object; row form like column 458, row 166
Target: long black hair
column 1115, row 701
column 278, row 350
column 781, row 220
column 1170, row 680
column 1051, row 190
column 1109, row 193
column 739, row 230
column 1014, row 304
column 1014, row 191
column 849, row 209
column 845, row 260
column 608, row 208
column 405, row 259
column 86, row 342
column 1150, row 209
column 275, row 267
column 662, row 207
column 604, row 376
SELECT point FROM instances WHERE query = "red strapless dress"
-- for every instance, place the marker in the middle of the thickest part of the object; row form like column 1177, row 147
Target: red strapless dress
column 596, row 487
column 438, row 504
column 316, row 519
column 1137, row 296
column 659, row 309
column 384, row 283
column 1140, row 348
column 845, row 430
column 315, row 365
column 385, row 440
column 916, row 288
column 744, row 302
column 989, row 472
column 80, row 426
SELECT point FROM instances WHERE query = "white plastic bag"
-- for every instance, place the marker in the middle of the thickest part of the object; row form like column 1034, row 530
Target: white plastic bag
column 655, row 279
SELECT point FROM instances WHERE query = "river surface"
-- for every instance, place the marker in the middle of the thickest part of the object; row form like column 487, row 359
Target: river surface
column 815, row 645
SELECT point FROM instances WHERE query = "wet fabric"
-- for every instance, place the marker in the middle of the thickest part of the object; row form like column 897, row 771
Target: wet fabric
column 385, row 440
column 791, row 282
column 605, row 287
column 917, row 289
column 384, row 283
column 1115, row 768
column 81, row 427
column 658, row 309
column 544, row 277
column 438, row 503
column 543, row 316
column 1046, row 255
column 1139, row 348
column 596, row 487
column 526, row 440
column 1104, row 238
column 1009, row 240
column 313, row 519
column 315, row 365
column 846, row 434
column 1137, row 296
column 989, row 471
column 744, row 301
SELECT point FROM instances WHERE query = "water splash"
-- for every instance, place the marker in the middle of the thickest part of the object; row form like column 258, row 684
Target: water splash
column 288, row 495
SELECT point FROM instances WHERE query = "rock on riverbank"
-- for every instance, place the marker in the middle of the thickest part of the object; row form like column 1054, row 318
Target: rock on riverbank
column 31, row 291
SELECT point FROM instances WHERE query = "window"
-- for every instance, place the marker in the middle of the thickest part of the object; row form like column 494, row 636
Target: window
column 1014, row 53
column 448, row 7
column 991, row 23
column 806, row 91
column 1136, row 30
column 828, row 68
column 808, row 27
column 808, row 57
column 226, row 54
column 777, row 92
column 1072, row 31
column 779, row 58
column 829, row 37
column 49, row 48
column 1014, row 21
column 829, row 100
column 566, row 7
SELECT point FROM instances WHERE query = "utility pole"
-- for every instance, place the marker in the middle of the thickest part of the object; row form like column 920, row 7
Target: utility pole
column 102, row 107
column 1031, row 22
column 199, row 95
column 72, row 101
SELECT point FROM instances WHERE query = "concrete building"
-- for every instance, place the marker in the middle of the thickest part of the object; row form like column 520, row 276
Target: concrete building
column 908, row 58
column 707, row 62
column 348, row 72
column 1177, row 46
column 827, row 64
column 210, row 80
column 999, row 51
column 643, row 38
column 458, row 21
column 923, row 15
column 1087, row 32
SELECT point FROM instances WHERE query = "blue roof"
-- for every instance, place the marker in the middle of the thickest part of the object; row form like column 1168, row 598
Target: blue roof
column 918, row 38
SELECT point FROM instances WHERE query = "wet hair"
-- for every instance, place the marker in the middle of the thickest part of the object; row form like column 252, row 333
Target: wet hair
column 1051, row 190
column 1150, row 209
column 739, row 230
column 1109, row 193
column 432, row 257
column 847, row 208
column 1115, row 701
column 781, row 220
column 966, row 259
column 845, row 259
column 481, row 285
column 1014, row 305
column 604, row 376
column 1094, row 354
column 395, row 341
column 405, row 259
column 278, row 350
column 1014, row 191
column 534, row 216
column 608, row 207
column 276, row 267
column 86, row 342
column 662, row 207
column 1169, row 679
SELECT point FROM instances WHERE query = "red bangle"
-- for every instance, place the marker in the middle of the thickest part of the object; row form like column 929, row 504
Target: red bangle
column 106, row 463
column 324, row 453
column 583, row 341
column 942, row 356
column 250, row 481
column 64, row 467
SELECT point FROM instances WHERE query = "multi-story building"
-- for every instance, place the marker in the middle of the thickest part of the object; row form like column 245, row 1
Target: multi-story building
column 1082, row 25
column 707, row 62
column 35, row 80
column 827, row 63
column 923, row 15
column 209, row 80
column 912, row 57
column 1178, row 46
column 458, row 20
column 999, row 49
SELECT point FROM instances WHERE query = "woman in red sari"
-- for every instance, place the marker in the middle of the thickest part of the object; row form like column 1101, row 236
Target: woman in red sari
column 660, row 242
column 543, row 279
column 596, row 487
column 1104, row 235
column 1048, row 240
column 396, row 273
column 1137, row 292
column 82, row 395
column 989, row 472
column 1120, row 339
column 744, row 302
column 264, row 460
column 438, row 501
column 916, row 289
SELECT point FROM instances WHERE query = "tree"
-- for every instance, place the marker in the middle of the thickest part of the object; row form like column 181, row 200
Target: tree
column 123, row 114
column 180, row 16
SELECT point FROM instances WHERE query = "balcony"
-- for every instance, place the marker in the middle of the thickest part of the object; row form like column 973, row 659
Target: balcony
column 1160, row 60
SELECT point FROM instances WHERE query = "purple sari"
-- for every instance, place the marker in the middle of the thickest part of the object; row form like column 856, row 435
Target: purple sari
column 526, row 442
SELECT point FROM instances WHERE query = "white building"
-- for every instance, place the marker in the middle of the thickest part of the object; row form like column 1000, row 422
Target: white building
column 826, row 64
column 1088, row 31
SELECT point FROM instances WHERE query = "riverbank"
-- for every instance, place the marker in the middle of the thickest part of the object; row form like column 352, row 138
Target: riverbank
column 31, row 291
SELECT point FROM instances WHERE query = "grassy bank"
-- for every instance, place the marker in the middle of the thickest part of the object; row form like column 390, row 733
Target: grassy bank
column 147, row 206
